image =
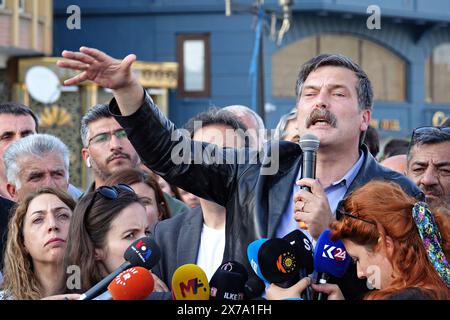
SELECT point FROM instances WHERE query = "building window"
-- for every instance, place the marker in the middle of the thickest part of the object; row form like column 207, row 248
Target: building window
column 437, row 75
column 385, row 69
column 2, row 4
column 21, row 6
column 193, row 61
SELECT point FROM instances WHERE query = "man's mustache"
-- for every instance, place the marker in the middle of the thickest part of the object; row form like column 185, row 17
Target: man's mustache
column 120, row 154
column 321, row 114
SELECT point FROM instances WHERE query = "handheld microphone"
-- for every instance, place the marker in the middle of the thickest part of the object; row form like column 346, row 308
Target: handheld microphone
column 132, row 284
column 254, row 288
column 304, row 252
column 252, row 254
column 228, row 282
column 303, row 249
column 278, row 262
column 330, row 258
column 309, row 144
column 143, row 252
column 189, row 282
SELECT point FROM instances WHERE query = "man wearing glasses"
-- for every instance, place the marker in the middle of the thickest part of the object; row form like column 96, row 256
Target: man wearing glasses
column 429, row 163
column 106, row 147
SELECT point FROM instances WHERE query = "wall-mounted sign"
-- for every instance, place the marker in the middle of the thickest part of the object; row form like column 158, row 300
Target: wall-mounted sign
column 386, row 124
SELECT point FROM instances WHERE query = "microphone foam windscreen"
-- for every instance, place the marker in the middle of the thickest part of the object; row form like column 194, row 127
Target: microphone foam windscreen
column 228, row 282
column 252, row 254
column 303, row 248
column 132, row 284
column 143, row 252
column 189, row 282
column 278, row 261
column 330, row 256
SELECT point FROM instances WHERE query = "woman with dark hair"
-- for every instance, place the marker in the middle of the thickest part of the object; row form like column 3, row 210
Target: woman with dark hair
column 37, row 237
column 147, row 188
column 105, row 222
column 395, row 241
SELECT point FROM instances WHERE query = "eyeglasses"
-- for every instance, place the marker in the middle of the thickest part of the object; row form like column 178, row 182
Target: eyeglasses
column 340, row 213
column 106, row 137
column 109, row 193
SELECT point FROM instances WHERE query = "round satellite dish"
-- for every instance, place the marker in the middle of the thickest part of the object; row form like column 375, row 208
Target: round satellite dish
column 43, row 84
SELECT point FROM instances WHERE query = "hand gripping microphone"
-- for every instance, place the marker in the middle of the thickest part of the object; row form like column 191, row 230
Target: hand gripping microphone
column 309, row 144
column 276, row 262
column 228, row 282
column 330, row 258
column 132, row 284
column 143, row 252
column 189, row 282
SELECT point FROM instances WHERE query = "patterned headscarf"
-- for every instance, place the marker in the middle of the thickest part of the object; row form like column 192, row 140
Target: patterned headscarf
column 432, row 240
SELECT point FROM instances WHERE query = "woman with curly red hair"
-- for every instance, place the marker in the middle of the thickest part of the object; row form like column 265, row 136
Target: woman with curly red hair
column 395, row 241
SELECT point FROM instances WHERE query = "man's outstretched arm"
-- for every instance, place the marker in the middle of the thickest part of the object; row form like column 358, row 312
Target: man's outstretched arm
column 107, row 72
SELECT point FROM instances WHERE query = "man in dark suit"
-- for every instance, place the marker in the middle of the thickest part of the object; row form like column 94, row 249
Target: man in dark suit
column 199, row 236
column 262, row 199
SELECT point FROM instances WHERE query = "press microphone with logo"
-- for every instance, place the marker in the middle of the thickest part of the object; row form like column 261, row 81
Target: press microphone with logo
column 304, row 252
column 143, row 252
column 309, row 144
column 228, row 282
column 132, row 284
column 189, row 282
column 330, row 259
column 276, row 262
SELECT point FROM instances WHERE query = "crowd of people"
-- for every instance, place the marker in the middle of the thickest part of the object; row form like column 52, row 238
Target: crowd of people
column 204, row 193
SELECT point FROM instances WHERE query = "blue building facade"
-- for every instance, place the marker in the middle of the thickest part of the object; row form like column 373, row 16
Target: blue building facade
column 407, row 55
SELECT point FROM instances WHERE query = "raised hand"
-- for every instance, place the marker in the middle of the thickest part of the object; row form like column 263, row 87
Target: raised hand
column 106, row 72
column 98, row 67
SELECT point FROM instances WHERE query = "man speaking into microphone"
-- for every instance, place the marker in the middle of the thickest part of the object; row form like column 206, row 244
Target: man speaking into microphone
column 334, row 103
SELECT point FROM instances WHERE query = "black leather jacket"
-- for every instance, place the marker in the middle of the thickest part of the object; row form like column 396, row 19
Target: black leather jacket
column 254, row 202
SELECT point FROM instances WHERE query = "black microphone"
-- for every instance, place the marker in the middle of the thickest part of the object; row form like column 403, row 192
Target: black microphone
column 143, row 252
column 309, row 144
column 304, row 252
column 278, row 262
column 254, row 287
column 228, row 282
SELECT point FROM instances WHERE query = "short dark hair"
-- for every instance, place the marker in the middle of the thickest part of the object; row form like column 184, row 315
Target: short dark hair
column 216, row 116
column 372, row 140
column 97, row 112
column 395, row 147
column 363, row 87
column 427, row 137
column 19, row 110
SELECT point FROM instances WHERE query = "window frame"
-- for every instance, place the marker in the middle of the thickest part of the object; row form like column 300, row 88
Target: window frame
column 21, row 6
column 181, row 38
